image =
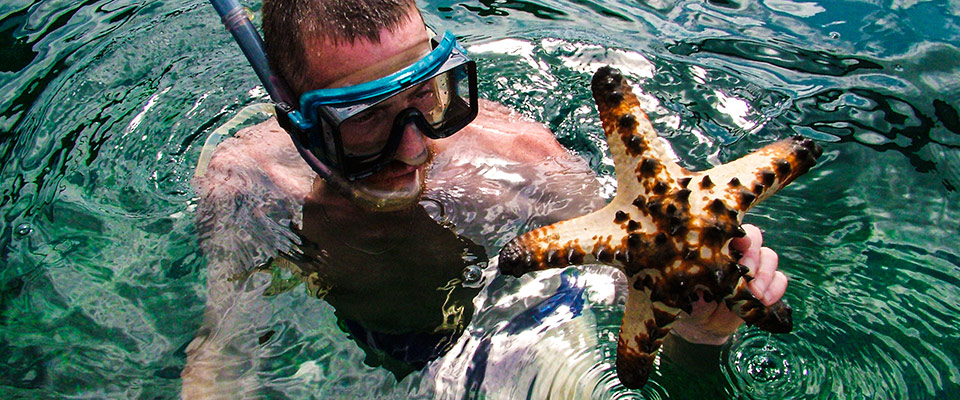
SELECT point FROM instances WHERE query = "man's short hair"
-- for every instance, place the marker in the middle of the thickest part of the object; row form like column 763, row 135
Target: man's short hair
column 287, row 24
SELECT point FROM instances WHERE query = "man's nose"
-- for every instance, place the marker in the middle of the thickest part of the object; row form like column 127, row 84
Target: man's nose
column 413, row 146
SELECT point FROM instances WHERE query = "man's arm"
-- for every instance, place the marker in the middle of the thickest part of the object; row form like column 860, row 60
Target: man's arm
column 242, row 221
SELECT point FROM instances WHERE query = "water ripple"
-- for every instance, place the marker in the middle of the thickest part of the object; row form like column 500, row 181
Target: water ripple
column 762, row 366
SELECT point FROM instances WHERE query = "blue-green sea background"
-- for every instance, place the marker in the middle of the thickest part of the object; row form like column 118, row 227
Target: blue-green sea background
column 105, row 104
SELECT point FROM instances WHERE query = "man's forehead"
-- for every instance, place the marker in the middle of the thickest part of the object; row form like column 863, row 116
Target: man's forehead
column 338, row 63
column 382, row 68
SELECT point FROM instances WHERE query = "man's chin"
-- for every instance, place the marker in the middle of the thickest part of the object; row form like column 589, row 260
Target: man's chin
column 390, row 193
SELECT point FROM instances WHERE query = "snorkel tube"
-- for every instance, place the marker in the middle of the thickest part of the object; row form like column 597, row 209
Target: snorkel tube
column 234, row 18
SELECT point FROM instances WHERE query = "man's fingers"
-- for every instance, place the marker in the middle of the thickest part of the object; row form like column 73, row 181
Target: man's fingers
column 749, row 245
column 765, row 273
column 776, row 289
column 768, row 285
column 753, row 238
column 767, row 265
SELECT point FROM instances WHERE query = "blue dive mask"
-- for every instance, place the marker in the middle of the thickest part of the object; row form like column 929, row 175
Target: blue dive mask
column 357, row 129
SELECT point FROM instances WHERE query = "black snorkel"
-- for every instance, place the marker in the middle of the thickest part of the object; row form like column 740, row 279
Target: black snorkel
column 234, row 18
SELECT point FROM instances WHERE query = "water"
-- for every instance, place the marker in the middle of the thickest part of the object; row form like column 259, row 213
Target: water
column 104, row 106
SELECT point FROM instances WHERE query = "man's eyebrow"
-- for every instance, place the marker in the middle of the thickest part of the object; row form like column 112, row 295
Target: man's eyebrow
column 416, row 88
column 396, row 96
column 377, row 107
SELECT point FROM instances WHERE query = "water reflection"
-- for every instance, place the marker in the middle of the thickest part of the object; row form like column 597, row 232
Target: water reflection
column 885, row 123
column 541, row 336
column 779, row 54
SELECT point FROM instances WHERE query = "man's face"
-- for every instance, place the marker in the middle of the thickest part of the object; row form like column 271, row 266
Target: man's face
column 400, row 184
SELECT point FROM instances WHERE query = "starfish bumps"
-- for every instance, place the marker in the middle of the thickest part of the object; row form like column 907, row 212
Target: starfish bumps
column 667, row 229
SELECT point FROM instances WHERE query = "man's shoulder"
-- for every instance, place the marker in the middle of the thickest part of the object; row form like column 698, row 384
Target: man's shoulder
column 256, row 156
column 254, row 142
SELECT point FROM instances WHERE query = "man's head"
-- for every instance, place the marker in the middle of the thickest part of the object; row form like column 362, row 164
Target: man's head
column 299, row 33
column 324, row 44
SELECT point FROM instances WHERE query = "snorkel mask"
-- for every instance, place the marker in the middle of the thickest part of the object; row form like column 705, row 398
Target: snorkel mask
column 349, row 133
column 357, row 129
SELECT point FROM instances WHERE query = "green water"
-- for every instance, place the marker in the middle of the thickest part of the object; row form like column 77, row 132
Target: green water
column 104, row 106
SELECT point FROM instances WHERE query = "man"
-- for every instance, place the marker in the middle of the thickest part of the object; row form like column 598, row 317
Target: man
column 379, row 207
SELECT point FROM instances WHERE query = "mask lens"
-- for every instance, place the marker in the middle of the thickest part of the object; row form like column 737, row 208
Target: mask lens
column 443, row 100
column 365, row 134
column 453, row 94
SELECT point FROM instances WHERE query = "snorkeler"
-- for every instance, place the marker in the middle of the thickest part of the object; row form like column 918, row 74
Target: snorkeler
column 377, row 187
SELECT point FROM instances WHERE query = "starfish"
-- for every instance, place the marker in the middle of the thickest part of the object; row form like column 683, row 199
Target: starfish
column 667, row 229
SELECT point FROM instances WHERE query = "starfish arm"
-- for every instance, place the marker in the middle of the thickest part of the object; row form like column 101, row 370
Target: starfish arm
column 744, row 182
column 636, row 350
column 645, row 324
column 634, row 145
column 581, row 240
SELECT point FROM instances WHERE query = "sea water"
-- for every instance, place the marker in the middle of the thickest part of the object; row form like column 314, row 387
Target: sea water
column 105, row 105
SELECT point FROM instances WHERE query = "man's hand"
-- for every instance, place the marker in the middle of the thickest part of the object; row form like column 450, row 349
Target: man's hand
column 712, row 323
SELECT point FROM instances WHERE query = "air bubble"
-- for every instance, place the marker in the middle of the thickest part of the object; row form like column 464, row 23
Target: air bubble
column 24, row 229
column 472, row 274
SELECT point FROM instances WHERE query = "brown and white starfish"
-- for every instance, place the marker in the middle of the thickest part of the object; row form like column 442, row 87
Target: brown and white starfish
column 667, row 229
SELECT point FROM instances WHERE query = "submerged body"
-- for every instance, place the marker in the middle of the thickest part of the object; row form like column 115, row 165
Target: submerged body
column 387, row 273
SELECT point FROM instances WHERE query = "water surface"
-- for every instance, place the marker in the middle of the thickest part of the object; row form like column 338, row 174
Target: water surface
column 104, row 106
